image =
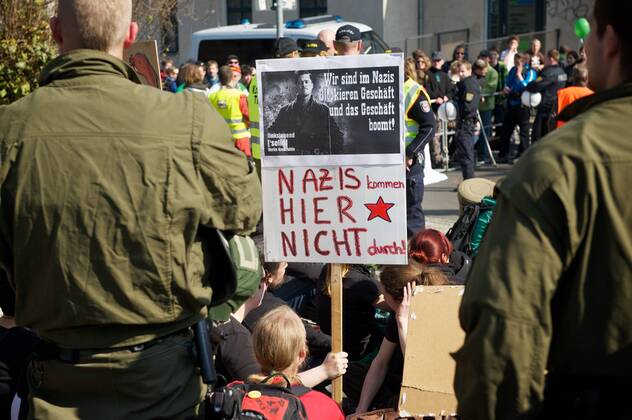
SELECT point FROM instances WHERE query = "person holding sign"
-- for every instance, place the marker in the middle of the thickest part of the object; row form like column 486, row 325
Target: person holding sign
column 279, row 344
column 420, row 128
column 382, row 382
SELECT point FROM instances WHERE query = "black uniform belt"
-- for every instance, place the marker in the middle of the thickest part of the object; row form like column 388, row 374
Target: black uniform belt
column 47, row 351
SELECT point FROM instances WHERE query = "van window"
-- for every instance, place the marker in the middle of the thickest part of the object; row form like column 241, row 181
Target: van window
column 372, row 43
column 248, row 50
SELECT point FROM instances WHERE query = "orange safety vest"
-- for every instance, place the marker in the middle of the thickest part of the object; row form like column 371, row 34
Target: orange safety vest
column 567, row 96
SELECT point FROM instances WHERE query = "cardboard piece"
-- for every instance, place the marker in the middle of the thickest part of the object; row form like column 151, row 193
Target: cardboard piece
column 143, row 57
column 433, row 333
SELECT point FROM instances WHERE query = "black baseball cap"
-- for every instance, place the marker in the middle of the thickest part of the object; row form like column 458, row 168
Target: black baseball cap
column 315, row 46
column 348, row 33
column 484, row 54
column 285, row 46
column 436, row 56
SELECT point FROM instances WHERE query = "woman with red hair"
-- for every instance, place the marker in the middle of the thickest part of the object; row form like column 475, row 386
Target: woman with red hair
column 431, row 248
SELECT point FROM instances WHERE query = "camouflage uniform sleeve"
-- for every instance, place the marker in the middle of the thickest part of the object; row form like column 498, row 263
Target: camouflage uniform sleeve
column 506, row 312
column 232, row 187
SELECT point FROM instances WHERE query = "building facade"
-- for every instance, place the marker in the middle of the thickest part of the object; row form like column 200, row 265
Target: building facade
column 407, row 24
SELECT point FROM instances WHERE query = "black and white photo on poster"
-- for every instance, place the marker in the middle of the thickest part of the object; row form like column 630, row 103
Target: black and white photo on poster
column 341, row 106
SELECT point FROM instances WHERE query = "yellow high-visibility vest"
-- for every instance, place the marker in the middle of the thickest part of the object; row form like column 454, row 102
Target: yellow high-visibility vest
column 253, row 109
column 226, row 102
column 412, row 90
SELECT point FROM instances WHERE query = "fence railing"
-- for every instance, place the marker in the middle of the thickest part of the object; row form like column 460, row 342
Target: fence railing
column 441, row 41
column 446, row 41
column 549, row 39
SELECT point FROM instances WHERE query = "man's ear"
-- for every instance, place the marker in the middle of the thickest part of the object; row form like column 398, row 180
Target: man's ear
column 55, row 28
column 360, row 46
column 611, row 43
column 130, row 35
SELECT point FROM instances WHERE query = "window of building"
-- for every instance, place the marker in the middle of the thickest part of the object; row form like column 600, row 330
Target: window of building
column 507, row 17
column 237, row 10
column 308, row 8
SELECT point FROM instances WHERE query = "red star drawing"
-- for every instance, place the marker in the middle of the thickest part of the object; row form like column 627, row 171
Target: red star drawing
column 379, row 209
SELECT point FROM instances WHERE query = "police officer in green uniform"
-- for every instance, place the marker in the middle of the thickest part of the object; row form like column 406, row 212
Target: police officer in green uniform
column 546, row 310
column 104, row 184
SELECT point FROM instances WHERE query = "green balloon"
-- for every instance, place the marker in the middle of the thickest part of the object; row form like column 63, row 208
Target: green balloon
column 582, row 28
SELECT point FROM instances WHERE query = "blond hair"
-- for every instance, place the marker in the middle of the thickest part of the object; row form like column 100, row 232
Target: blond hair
column 277, row 339
column 100, row 24
column 410, row 71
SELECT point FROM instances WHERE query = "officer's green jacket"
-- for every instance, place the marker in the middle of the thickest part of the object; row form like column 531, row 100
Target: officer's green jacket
column 551, row 287
column 489, row 88
column 104, row 184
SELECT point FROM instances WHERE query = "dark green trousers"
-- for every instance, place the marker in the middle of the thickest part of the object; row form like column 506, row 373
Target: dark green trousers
column 159, row 382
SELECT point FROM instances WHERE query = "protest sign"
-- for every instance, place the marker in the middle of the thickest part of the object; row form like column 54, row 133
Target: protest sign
column 333, row 175
column 143, row 57
column 434, row 333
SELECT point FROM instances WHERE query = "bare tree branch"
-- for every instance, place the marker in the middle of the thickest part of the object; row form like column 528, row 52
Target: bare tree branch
column 567, row 10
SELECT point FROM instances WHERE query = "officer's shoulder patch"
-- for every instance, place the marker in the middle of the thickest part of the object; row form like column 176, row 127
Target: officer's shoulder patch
column 469, row 97
column 425, row 106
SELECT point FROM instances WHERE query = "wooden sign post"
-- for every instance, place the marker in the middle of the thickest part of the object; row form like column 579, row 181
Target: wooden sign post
column 335, row 283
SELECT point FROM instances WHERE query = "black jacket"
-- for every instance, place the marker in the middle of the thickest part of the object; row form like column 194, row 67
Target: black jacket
column 468, row 97
column 456, row 270
column 318, row 133
column 439, row 84
column 316, row 340
column 421, row 113
column 550, row 80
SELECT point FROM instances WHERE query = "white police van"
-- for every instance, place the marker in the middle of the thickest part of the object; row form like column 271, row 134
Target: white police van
column 255, row 41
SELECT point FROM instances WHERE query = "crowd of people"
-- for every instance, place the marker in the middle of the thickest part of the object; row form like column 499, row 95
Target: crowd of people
column 502, row 77
column 109, row 270
column 486, row 91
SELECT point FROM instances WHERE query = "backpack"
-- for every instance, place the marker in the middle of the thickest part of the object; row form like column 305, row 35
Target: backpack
column 482, row 222
column 460, row 234
column 261, row 401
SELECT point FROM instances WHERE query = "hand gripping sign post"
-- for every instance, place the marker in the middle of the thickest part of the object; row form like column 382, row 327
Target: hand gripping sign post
column 333, row 170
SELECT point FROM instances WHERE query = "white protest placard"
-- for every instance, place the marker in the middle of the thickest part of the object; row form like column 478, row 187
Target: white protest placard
column 333, row 171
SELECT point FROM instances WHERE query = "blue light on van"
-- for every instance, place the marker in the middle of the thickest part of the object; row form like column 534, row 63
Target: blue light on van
column 295, row 24
column 245, row 22
column 338, row 18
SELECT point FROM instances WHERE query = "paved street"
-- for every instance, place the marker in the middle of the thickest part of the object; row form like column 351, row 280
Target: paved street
column 440, row 204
